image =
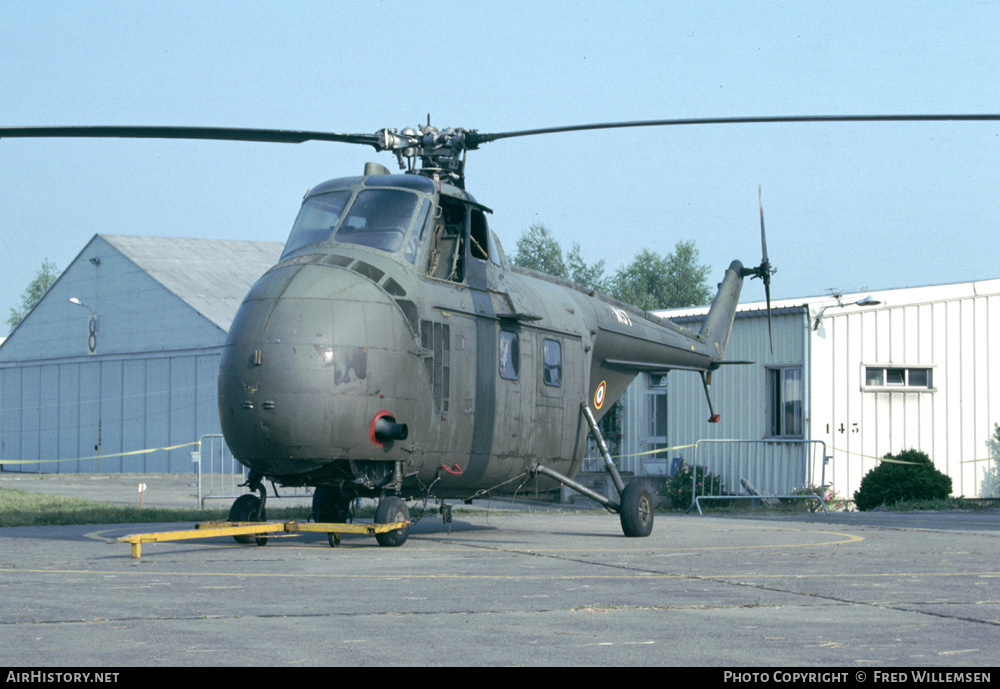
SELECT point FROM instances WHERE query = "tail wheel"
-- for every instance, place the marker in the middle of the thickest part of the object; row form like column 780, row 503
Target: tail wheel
column 637, row 510
column 392, row 509
column 245, row 510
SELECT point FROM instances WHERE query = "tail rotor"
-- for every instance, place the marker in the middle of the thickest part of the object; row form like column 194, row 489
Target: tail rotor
column 764, row 271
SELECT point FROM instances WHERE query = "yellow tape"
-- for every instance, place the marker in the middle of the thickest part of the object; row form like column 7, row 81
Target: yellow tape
column 647, row 452
column 984, row 459
column 832, row 449
column 102, row 456
column 877, row 459
column 899, row 461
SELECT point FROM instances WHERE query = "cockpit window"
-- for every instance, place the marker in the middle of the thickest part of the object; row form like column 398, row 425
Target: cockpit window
column 316, row 220
column 417, row 235
column 378, row 218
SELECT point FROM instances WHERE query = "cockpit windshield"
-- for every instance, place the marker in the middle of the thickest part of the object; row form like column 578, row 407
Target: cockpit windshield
column 316, row 220
column 378, row 218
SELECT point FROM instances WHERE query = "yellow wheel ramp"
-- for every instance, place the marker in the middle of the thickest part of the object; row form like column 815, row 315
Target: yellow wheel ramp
column 225, row 528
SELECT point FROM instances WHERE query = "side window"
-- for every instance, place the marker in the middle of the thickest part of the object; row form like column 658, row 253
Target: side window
column 447, row 256
column 495, row 250
column 895, row 378
column 510, row 355
column 552, row 362
column 784, row 392
column 479, row 235
column 419, row 233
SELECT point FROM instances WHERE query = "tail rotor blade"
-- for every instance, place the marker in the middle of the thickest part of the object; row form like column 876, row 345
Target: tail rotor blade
column 765, row 267
column 767, row 294
column 763, row 238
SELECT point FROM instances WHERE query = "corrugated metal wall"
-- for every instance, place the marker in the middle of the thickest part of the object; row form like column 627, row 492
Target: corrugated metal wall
column 738, row 391
column 52, row 411
column 948, row 329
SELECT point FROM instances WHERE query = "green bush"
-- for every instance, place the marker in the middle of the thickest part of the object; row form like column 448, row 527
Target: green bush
column 831, row 499
column 889, row 482
column 678, row 487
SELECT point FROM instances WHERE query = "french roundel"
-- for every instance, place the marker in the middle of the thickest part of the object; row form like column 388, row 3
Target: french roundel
column 599, row 395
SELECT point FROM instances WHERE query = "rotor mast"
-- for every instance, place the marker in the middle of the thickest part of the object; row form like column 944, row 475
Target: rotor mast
column 430, row 152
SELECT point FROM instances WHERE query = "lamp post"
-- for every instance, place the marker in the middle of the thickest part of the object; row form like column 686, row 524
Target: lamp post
column 91, row 326
column 867, row 301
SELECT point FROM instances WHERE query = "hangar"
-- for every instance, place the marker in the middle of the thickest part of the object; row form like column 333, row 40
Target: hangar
column 867, row 374
column 131, row 363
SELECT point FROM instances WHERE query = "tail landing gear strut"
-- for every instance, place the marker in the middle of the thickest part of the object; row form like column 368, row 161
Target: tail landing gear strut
column 637, row 502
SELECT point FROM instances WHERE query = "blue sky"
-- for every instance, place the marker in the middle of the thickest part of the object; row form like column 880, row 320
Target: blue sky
column 848, row 206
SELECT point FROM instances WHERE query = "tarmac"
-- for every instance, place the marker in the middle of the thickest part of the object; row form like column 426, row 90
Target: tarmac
column 859, row 592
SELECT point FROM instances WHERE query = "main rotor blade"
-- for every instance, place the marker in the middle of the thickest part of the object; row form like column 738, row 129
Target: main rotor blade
column 472, row 137
column 283, row 136
column 483, row 138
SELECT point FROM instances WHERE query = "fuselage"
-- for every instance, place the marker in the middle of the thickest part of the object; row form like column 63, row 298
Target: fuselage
column 393, row 300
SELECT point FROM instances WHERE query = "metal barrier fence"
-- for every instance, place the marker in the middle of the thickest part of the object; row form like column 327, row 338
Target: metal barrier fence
column 224, row 475
column 758, row 469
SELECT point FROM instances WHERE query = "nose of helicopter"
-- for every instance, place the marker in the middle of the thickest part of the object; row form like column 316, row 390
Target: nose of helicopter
column 310, row 360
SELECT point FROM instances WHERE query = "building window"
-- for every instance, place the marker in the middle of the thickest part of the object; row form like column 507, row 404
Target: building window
column 898, row 378
column 656, row 423
column 657, row 409
column 785, row 397
column 510, row 355
column 552, row 361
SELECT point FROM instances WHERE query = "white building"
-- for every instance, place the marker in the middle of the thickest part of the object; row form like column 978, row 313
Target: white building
column 134, row 364
column 867, row 374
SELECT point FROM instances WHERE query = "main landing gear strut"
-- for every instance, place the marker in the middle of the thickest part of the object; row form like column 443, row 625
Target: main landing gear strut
column 637, row 502
column 331, row 505
column 250, row 508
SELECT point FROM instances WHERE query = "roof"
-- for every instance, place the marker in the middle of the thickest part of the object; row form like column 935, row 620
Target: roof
column 884, row 298
column 210, row 275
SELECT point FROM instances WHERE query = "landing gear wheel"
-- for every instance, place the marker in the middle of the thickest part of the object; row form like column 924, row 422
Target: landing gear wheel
column 637, row 510
column 392, row 509
column 245, row 510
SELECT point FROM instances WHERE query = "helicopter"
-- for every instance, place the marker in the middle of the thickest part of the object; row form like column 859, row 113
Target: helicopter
column 395, row 353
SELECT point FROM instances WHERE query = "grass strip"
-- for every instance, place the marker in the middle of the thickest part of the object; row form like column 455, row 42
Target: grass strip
column 24, row 508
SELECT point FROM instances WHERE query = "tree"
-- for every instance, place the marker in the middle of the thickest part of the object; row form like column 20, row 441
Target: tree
column 990, row 487
column 582, row 274
column 653, row 282
column 537, row 249
column 650, row 281
column 44, row 278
